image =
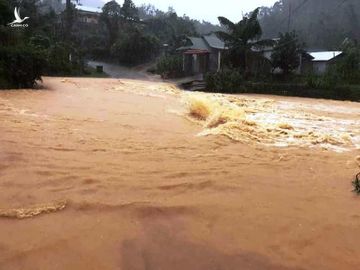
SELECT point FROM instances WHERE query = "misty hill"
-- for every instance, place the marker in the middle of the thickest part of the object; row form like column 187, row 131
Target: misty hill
column 320, row 23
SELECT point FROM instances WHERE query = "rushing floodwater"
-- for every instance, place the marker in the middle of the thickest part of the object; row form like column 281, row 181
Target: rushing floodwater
column 131, row 174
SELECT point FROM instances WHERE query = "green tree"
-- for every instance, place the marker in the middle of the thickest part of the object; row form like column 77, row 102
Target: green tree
column 170, row 66
column 348, row 67
column 20, row 66
column 129, row 12
column 5, row 18
column 170, row 29
column 69, row 19
column 286, row 53
column 135, row 48
column 5, row 12
column 242, row 38
column 111, row 14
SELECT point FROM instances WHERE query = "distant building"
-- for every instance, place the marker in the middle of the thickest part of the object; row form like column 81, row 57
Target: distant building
column 316, row 62
column 88, row 15
column 85, row 14
column 322, row 60
column 202, row 54
column 265, row 65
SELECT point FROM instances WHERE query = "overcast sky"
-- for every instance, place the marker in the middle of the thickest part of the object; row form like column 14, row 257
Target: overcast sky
column 207, row 10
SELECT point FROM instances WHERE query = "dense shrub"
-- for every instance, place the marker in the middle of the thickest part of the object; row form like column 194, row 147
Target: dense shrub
column 170, row 66
column 331, row 85
column 327, row 81
column 63, row 60
column 40, row 42
column 20, row 67
column 314, row 86
column 5, row 12
column 228, row 81
column 348, row 66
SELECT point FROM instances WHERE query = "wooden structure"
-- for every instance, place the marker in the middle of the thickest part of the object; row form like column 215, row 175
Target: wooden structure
column 202, row 54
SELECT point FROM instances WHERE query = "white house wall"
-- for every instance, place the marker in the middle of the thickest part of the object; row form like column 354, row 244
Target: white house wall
column 319, row 67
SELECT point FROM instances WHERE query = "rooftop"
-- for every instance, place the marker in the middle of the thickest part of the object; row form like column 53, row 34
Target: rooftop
column 214, row 42
column 88, row 9
column 324, row 56
column 204, row 43
column 196, row 44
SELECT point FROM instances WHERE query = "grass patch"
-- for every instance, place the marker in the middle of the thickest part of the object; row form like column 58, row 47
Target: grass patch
column 356, row 184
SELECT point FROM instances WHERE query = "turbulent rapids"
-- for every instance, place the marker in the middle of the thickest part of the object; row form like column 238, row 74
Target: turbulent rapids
column 269, row 122
column 266, row 121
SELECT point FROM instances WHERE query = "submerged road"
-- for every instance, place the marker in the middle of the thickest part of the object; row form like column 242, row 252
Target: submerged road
column 118, row 71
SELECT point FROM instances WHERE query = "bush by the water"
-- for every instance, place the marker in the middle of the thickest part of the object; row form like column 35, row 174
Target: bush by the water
column 170, row 66
column 329, row 80
column 20, row 67
column 331, row 85
column 63, row 59
column 227, row 81
column 328, row 86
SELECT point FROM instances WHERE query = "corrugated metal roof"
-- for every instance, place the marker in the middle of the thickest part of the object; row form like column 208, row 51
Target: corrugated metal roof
column 324, row 56
column 204, row 43
column 214, row 42
column 88, row 9
column 198, row 44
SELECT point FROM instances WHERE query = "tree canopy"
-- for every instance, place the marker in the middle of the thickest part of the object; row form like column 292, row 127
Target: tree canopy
column 242, row 38
column 287, row 50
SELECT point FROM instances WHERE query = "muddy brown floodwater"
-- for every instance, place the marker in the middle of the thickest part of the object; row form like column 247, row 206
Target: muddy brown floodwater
column 131, row 174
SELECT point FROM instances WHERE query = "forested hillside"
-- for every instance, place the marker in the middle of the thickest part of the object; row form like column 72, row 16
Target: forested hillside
column 322, row 24
column 203, row 27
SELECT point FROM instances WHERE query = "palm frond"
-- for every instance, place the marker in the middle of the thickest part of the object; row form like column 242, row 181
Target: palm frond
column 251, row 28
column 254, row 15
column 226, row 22
column 263, row 43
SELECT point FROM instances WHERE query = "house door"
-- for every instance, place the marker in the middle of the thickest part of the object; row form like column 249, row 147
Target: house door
column 203, row 63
